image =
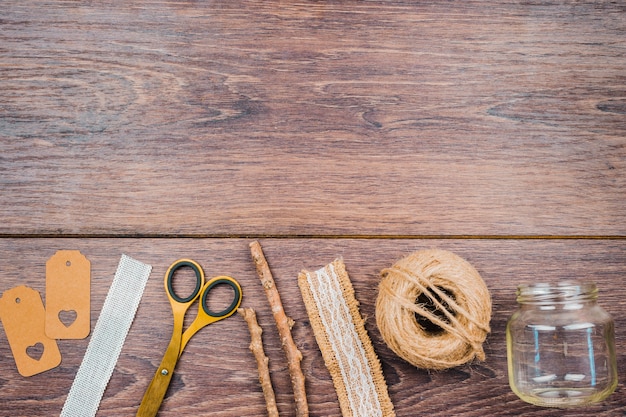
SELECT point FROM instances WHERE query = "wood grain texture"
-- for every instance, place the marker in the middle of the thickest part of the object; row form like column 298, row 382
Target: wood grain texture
column 217, row 374
column 165, row 129
column 318, row 118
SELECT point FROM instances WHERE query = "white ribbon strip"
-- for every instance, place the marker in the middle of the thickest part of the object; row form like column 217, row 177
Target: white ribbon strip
column 107, row 339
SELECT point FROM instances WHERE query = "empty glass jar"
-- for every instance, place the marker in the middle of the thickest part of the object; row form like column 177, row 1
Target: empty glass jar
column 561, row 346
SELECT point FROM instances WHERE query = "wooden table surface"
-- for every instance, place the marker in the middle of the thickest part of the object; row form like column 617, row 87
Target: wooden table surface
column 355, row 129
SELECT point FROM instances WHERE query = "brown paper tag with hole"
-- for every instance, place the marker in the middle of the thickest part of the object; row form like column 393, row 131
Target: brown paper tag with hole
column 68, row 295
column 23, row 317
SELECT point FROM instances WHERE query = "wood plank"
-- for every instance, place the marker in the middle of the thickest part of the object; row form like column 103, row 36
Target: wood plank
column 334, row 118
column 217, row 374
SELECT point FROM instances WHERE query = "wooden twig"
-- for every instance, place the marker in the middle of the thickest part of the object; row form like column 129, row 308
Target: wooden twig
column 284, row 325
column 256, row 347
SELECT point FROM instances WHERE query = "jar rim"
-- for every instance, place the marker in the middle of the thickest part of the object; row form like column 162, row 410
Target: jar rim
column 562, row 291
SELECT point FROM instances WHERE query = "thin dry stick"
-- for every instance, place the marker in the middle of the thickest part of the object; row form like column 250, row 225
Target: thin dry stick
column 284, row 324
column 256, row 347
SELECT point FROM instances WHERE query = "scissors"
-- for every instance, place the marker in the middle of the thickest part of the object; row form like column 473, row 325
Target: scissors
column 153, row 396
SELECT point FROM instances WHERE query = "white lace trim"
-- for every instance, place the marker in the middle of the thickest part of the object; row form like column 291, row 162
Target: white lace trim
column 346, row 344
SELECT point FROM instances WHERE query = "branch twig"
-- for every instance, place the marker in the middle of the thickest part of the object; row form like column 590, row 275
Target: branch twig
column 284, row 325
column 256, row 347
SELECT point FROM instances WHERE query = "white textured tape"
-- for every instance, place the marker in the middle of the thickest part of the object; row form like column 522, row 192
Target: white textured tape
column 107, row 338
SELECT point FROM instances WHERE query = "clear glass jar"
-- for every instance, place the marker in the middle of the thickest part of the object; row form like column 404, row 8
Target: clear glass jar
column 561, row 346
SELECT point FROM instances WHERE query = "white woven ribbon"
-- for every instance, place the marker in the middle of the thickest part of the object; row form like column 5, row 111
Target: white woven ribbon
column 107, row 338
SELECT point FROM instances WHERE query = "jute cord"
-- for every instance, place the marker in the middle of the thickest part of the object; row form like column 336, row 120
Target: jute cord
column 458, row 304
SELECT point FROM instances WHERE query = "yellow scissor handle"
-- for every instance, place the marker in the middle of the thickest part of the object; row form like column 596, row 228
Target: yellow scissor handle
column 169, row 279
column 205, row 315
column 153, row 396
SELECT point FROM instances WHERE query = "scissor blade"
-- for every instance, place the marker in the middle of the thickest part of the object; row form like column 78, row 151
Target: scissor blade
column 155, row 393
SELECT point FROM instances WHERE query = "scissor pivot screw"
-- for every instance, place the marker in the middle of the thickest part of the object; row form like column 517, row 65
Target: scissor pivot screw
column 164, row 372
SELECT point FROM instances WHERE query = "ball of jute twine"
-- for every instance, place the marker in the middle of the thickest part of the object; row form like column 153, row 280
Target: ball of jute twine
column 459, row 305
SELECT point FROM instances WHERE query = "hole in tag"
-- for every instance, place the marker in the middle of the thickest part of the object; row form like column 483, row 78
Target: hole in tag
column 67, row 317
column 35, row 351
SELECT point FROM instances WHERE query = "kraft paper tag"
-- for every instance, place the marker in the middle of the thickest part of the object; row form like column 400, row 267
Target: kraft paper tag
column 23, row 317
column 68, row 295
